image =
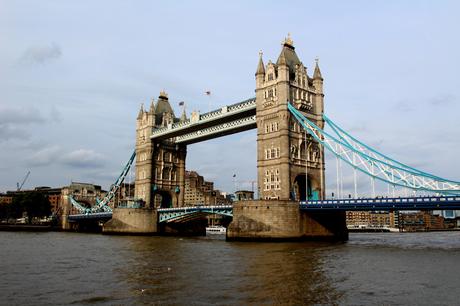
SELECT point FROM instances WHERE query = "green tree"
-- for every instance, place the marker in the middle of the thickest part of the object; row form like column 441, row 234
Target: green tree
column 35, row 204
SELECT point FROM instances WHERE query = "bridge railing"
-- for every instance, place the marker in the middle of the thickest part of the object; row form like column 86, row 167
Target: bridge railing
column 224, row 111
column 409, row 200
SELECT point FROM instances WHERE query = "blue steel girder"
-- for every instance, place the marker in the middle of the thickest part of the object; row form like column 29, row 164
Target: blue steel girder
column 372, row 163
column 90, row 216
column 175, row 214
column 384, row 204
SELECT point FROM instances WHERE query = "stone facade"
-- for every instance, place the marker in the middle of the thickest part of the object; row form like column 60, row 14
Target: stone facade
column 285, row 153
column 132, row 221
column 160, row 166
column 282, row 220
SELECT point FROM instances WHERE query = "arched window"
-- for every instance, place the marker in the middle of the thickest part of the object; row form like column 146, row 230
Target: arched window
column 166, row 172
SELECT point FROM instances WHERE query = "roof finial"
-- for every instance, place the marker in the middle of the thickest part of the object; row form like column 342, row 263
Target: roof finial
column 163, row 94
column 317, row 60
column 288, row 41
column 261, row 53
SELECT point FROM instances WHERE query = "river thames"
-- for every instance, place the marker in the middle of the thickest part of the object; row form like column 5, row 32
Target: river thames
column 93, row 269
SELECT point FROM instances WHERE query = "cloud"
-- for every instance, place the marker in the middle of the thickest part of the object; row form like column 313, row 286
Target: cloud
column 83, row 158
column 404, row 107
column 8, row 132
column 80, row 158
column 45, row 156
column 13, row 120
column 21, row 115
column 442, row 100
column 41, row 54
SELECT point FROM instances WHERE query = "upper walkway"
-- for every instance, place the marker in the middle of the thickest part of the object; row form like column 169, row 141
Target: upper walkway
column 227, row 120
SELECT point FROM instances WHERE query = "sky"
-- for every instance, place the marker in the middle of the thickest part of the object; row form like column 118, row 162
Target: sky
column 73, row 75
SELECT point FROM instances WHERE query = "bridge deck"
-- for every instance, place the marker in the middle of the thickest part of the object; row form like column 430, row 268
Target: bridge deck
column 385, row 204
column 377, row 204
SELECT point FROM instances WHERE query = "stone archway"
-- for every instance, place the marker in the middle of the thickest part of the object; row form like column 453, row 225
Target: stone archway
column 301, row 189
column 162, row 199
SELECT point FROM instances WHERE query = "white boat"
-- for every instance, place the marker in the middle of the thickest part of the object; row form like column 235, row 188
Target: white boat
column 216, row 229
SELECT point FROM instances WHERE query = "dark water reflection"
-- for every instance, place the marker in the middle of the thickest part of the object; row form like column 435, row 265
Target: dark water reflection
column 83, row 269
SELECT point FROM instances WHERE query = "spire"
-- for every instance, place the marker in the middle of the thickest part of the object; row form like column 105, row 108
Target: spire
column 317, row 73
column 260, row 67
column 152, row 107
column 141, row 111
column 183, row 117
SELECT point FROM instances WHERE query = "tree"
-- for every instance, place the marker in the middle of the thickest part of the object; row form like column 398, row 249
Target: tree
column 34, row 203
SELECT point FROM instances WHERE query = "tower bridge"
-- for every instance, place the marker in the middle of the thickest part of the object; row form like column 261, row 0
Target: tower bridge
column 288, row 114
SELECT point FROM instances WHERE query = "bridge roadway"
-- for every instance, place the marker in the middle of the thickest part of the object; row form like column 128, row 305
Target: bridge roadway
column 366, row 204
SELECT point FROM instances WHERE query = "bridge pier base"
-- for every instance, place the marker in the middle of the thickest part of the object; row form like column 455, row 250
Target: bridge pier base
column 268, row 220
column 136, row 221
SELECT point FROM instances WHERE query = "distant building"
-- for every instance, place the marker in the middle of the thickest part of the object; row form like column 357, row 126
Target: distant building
column 370, row 220
column 201, row 192
column 405, row 221
column 244, row 195
column 421, row 221
column 84, row 193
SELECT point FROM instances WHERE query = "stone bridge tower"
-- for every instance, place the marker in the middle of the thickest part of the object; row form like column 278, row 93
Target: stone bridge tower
column 290, row 163
column 160, row 166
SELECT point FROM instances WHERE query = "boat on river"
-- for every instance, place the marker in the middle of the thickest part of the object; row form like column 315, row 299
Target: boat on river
column 216, row 230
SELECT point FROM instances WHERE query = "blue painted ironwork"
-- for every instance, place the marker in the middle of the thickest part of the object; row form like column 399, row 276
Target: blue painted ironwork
column 91, row 216
column 102, row 205
column 115, row 186
column 175, row 214
column 373, row 163
column 384, row 204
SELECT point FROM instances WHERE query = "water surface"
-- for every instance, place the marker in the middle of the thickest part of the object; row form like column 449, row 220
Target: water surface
column 91, row 269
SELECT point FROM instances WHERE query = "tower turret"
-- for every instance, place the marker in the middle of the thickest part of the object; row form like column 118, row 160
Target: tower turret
column 318, row 84
column 283, row 150
column 260, row 73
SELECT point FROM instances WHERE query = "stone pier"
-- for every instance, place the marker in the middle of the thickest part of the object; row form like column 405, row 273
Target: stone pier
column 277, row 220
column 136, row 221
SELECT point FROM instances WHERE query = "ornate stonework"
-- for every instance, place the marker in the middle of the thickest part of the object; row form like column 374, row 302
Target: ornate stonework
column 283, row 148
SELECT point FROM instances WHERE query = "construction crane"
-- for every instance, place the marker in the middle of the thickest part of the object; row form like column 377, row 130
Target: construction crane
column 23, row 181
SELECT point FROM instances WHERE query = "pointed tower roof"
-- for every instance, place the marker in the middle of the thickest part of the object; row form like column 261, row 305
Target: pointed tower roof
column 152, row 107
column 163, row 105
column 260, row 66
column 317, row 73
column 141, row 111
column 288, row 56
column 183, row 117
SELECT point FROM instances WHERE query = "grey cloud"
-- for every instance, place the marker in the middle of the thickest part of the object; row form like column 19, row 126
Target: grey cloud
column 83, row 158
column 21, row 115
column 442, row 100
column 13, row 120
column 8, row 132
column 55, row 114
column 45, row 156
column 80, row 158
column 41, row 54
column 404, row 107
